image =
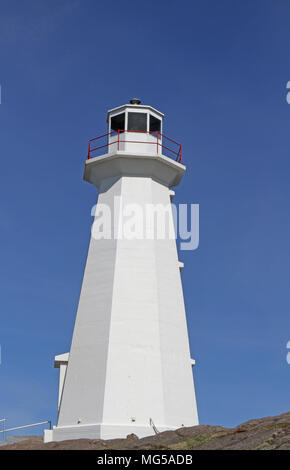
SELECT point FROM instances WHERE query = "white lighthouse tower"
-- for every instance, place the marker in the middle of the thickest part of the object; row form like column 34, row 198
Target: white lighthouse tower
column 129, row 368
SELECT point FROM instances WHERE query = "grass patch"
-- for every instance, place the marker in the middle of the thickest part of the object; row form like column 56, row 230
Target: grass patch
column 196, row 441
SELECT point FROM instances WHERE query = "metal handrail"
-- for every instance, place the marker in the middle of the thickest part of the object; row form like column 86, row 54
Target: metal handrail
column 153, row 426
column 24, row 426
column 178, row 154
column 3, row 420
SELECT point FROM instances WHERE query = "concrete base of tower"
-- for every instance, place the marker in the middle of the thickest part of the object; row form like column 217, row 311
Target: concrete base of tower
column 100, row 431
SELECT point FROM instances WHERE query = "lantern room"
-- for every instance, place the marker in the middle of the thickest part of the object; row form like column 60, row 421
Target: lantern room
column 135, row 128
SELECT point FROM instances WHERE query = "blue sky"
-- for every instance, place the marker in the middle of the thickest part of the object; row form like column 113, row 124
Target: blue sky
column 218, row 70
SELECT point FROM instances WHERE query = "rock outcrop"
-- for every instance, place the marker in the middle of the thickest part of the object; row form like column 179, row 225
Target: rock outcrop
column 272, row 433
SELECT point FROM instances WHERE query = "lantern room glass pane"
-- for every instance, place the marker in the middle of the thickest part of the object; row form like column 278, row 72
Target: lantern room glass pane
column 118, row 122
column 155, row 124
column 137, row 122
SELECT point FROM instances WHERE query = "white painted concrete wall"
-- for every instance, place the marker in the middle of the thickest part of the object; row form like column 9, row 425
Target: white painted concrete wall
column 130, row 359
column 61, row 362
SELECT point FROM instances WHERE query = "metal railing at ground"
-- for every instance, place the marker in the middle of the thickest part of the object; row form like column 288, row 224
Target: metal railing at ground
column 3, row 421
column 5, row 430
column 153, row 426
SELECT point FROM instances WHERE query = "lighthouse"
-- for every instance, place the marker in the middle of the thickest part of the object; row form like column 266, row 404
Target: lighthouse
column 129, row 368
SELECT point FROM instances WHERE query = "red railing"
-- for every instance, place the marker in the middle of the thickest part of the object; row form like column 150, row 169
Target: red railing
column 118, row 134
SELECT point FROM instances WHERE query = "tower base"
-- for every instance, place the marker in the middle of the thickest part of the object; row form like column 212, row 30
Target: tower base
column 99, row 431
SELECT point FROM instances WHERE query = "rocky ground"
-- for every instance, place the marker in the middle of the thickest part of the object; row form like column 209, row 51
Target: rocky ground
column 272, row 433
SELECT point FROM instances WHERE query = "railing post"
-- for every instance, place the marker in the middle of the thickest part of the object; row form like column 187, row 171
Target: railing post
column 180, row 153
column 118, row 139
column 157, row 141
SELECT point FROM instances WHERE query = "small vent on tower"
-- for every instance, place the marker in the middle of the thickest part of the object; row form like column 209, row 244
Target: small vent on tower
column 135, row 101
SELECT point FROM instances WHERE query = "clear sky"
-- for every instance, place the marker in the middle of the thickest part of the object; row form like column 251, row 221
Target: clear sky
column 218, row 70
